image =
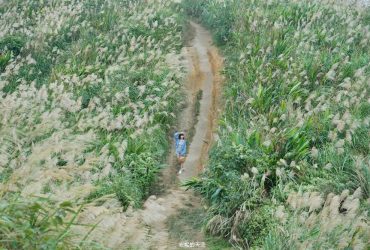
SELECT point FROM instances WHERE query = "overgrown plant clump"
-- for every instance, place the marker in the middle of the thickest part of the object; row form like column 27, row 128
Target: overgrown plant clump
column 40, row 223
column 296, row 122
column 87, row 95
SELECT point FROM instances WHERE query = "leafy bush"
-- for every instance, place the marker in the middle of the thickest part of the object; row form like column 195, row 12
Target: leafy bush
column 37, row 224
column 12, row 43
column 10, row 46
column 4, row 59
column 257, row 226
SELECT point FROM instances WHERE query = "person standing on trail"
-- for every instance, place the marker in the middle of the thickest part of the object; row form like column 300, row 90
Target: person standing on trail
column 180, row 144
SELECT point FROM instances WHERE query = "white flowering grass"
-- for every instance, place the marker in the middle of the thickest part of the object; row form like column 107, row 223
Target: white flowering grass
column 313, row 221
column 296, row 114
column 86, row 97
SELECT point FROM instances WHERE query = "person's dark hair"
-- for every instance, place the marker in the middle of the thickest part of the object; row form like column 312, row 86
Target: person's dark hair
column 181, row 135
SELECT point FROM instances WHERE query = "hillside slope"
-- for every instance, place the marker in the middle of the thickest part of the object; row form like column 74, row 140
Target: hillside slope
column 291, row 168
column 87, row 97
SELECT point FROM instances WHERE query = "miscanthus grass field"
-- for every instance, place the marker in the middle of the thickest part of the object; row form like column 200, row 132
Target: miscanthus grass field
column 291, row 167
column 87, row 95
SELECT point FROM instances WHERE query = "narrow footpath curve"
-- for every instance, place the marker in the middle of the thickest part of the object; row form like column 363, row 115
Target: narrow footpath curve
column 148, row 228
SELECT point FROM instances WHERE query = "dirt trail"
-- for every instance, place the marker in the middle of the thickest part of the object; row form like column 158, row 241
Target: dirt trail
column 208, row 80
column 147, row 228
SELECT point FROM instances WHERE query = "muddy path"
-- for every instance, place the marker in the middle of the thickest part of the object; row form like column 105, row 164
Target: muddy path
column 207, row 64
column 151, row 227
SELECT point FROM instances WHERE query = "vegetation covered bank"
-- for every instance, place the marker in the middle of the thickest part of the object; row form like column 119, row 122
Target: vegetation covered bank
column 86, row 100
column 291, row 167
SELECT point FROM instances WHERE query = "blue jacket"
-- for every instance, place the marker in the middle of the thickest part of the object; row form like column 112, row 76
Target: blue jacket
column 180, row 145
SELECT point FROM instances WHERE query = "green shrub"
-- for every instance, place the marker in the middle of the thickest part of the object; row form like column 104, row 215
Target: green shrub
column 37, row 224
column 13, row 43
column 10, row 46
column 4, row 59
column 257, row 226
